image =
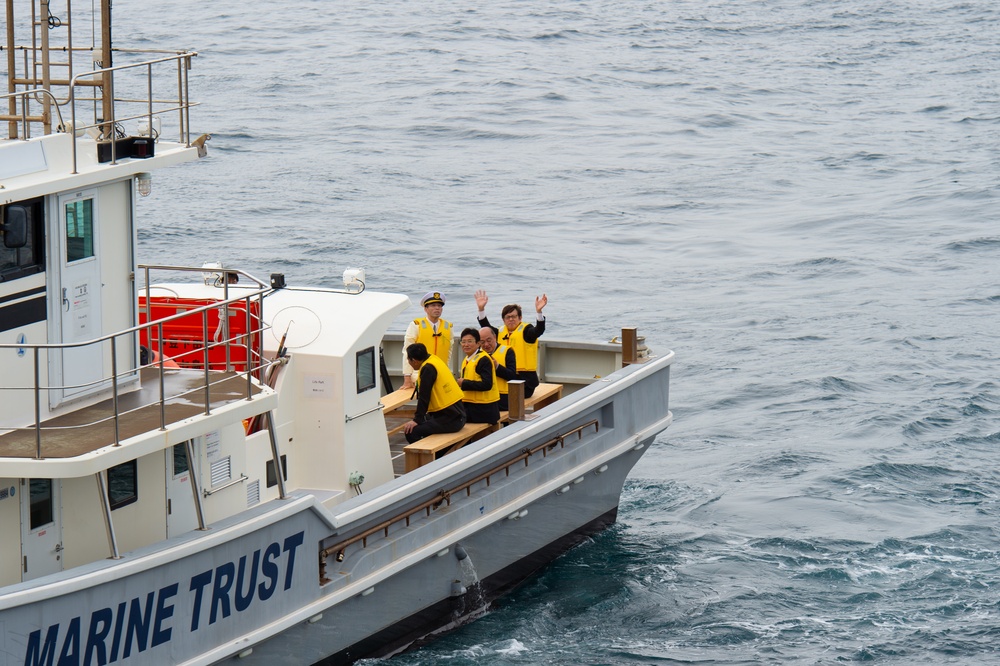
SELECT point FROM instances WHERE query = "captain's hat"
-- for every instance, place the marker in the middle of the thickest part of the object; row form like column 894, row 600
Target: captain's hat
column 432, row 297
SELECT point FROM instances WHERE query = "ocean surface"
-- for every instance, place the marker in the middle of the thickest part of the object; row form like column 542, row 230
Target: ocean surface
column 799, row 197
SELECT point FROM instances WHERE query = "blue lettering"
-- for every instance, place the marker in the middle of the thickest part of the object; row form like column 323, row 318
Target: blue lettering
column 133, row 620
column 270, row 571
column 224, row 575
column 138, row 625
column 116, row 642
column 198, row 584
column 291, row 543
column 243, row 600
column 70, row 655
column 43, row 655
column 163, row 612
column 100, row 625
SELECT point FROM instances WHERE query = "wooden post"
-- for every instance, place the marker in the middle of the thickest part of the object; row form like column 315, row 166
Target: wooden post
column 630, row 346
column 107, row 92
column 46, row 74
column 12, row 132
column 515, row 400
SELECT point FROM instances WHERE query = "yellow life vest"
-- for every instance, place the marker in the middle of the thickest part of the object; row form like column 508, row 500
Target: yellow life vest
column 438, row 343
column 526, row 353
column 469, row 364
column 445, row 391
column 500, row 355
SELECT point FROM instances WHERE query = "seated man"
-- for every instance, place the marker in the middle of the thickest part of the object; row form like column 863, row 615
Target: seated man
column 439, row 399
column 504, row 361
column 478, row 381
column 521, row 337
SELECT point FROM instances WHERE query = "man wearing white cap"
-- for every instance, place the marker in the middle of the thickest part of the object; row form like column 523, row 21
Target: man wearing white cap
column 432, row 331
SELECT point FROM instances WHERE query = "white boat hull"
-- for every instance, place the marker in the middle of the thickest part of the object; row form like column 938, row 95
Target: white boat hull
column 267, row 582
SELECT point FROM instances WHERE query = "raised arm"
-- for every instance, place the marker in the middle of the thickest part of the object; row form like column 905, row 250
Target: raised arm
column 534, row 331
column 481, row 301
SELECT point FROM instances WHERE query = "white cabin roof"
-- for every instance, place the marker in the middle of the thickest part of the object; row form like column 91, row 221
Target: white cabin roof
column 42, row 165
column 330, row 321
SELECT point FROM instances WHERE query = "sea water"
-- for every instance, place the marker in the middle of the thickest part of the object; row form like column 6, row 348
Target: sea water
column 798, row 197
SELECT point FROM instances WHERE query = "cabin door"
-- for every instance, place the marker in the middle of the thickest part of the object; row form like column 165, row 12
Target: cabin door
column 41, row 528
column 181, row 515
column 80, row 295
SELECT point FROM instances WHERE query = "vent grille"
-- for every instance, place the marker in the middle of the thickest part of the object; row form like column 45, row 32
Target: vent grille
column 221, row 471
column 253, row 493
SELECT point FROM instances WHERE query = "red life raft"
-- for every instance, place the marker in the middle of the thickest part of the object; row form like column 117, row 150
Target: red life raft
column 186, row 338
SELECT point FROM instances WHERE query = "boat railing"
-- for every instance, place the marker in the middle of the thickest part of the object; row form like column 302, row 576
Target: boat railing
column 113, row 95
column 22, row 116
column 444, row 496
column 574, row 364
column 250, row 367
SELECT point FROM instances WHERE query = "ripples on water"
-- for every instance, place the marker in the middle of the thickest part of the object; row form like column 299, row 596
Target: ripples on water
column 798, row 197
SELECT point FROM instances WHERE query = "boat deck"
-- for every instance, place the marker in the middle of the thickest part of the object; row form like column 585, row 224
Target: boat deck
column 93, row 427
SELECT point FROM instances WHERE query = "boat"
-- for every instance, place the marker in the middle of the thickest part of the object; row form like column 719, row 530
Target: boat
column 199, row 464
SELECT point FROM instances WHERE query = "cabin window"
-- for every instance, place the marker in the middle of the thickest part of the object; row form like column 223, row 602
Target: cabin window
column 366, row 369
column 123, row 484
column 272, row 479
column 180, row 460
column 41, row 503
column 29, row 258
column 79, row 230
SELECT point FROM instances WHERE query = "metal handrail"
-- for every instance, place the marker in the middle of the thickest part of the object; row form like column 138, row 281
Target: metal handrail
column 444, row 496
column 24, row 106
column 122, row 413
column 183, row 101
column 134, row 329
column 208, row 492
column 130, row 371
column 181, row 104
column 255, row 362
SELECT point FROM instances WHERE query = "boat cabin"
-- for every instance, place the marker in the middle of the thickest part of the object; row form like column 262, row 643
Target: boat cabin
column 132, row 413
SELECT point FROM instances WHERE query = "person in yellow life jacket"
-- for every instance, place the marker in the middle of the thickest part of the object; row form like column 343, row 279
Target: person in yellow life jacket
column 431, row 331
column 521, row 337
column 504, row 361
column 439, row 398
column 478, row 381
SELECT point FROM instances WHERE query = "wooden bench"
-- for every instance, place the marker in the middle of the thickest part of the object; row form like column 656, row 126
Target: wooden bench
column 393, row 404
column 396, row 399
column 545, row 394
column 432, row 446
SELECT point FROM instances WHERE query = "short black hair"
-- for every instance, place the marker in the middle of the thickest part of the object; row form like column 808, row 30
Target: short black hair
column 507, row 309
column 470, row 331
column 417, row 352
